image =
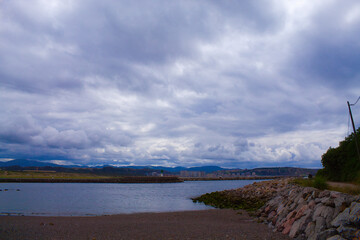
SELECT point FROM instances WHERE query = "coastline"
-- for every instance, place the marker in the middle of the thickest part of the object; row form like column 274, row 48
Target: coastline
column 130, row 179
column 297, row 211
column 203, row 224
column 290, row 210
column 230, row 178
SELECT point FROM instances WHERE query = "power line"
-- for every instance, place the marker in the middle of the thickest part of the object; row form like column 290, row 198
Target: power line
column 353, row 125
column 355, row 102
column 348, row 131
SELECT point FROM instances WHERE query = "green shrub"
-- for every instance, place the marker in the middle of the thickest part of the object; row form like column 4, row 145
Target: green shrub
column 317, row 182
column 357, row 178
column 320, row 183
column 303, row 182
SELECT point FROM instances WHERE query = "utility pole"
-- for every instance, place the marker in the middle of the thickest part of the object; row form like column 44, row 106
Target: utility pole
column 353, row 125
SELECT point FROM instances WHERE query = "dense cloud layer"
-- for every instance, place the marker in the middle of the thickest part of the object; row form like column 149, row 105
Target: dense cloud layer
column 234, row 84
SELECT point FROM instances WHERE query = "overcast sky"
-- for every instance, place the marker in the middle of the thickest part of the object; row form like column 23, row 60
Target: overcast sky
column 177, row 83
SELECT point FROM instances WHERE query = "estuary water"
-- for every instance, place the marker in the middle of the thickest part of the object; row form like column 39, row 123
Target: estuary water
column 86, row 199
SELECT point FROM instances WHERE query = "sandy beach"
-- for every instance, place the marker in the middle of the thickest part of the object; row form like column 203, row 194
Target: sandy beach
column 207, row 224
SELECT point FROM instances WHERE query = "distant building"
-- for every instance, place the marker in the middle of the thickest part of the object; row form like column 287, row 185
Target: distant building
column 192, row 174
column 155, row 174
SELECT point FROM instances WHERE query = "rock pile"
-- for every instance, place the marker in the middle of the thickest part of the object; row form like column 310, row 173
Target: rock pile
column 308, row 213
column 265, row 190
column 300, row 212
column 250, row 197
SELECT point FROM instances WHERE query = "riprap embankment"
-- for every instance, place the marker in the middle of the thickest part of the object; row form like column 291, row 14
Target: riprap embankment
column 300, row 212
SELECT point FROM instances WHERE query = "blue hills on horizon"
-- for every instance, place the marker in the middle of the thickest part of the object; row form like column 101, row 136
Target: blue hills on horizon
column 207, row 169
column 21, row 164
column 27, row 163
column 37, row 163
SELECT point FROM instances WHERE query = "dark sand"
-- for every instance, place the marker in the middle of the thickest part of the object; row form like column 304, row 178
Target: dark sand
column 207, row 224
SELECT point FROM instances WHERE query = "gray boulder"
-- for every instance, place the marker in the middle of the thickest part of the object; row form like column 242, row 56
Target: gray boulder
column 336, row 237
column 342, row 218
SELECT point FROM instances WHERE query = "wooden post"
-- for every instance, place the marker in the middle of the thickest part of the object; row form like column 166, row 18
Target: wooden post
column 353, row 125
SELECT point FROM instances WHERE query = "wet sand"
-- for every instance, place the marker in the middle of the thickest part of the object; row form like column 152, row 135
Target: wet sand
column 206, row 224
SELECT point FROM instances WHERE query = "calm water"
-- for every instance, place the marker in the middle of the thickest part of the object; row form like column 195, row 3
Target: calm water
column 80, row 199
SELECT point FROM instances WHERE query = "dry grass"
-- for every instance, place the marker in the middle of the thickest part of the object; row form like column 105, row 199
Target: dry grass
column 348, row 188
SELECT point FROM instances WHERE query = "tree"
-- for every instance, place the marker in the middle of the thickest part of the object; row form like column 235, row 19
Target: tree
column 342, row 163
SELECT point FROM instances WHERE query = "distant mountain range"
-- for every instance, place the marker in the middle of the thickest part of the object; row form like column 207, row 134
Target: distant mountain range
column 20, row 164
column 207, row 169
column 271, row 171
column 27, row 163
column 36, row 163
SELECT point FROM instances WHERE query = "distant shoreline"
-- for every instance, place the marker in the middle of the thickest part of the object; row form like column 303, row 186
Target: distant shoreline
column 133, row 179
column 230, row 178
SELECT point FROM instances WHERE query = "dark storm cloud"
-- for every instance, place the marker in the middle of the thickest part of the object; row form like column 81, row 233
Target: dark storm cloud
column 235, row 83
column 329, row 49
column 18, row 131
column 260, row 16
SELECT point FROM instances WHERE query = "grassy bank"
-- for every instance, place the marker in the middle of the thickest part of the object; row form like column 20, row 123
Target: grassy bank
column 95, row 180
column 46, row 175
column 61, row 177
column 224, row 200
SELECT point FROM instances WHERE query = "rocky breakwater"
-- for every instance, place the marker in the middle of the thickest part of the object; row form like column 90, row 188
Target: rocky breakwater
column 300, row 212
column 309, row 213
column 249, row 197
